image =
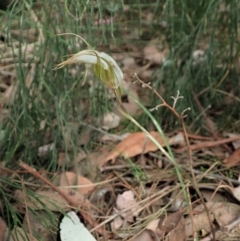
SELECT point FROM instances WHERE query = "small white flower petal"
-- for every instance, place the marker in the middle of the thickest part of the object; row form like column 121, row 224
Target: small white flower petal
column 118, row 72
column 90, row 57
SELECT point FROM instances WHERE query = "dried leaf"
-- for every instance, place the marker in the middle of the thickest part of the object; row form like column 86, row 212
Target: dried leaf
column 127, row 200
column 153, row 224
column 135, row 144
column 177, row 200
column 167, row 224
column 48, row 199
column 233, row 159
column 224, row 212
column 213, row 196
column 200, row 222
column 72, row 179
column 178, row 233
column 124, row 201
column 117, row 222
column 75, row 196
column 178, row 139
column 110, row 121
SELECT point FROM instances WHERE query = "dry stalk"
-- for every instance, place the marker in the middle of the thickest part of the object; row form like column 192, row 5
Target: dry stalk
column 181, row 119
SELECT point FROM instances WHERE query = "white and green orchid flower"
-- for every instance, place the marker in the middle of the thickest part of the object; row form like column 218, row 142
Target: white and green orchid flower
column 104, row 66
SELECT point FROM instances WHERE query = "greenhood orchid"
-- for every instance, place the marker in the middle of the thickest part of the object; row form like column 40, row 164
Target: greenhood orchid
column 104, row 66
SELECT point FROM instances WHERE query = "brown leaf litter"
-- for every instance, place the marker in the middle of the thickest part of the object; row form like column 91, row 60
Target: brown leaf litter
column 233, row 159
column 122, row 209
column 71, row 186
column 124, row 201
column 74, row 181
column 135, row 144
column 50, row 200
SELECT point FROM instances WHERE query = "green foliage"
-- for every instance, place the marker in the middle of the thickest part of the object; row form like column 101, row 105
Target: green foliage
column 45, row 107
column 209, row 26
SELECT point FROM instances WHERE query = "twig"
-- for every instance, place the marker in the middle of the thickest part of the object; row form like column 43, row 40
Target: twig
column 208, row 144
column 38, row 175
column 197, row 137
column 175, row 99
column 70, row 202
